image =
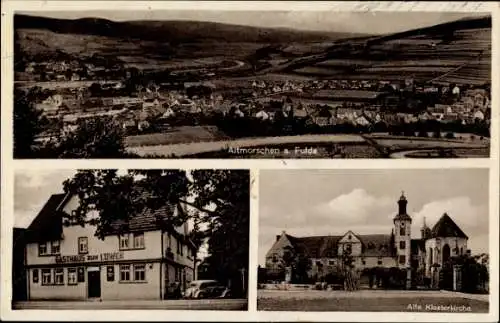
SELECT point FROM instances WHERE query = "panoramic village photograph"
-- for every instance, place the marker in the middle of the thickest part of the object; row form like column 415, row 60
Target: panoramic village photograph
column 350, row 241
column 251, row 84
column 131, row 239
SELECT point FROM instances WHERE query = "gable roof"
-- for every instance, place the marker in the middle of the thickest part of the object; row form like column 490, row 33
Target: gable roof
column 374, row 245
column 44, row 227
column 48, row 224
column 446, row 227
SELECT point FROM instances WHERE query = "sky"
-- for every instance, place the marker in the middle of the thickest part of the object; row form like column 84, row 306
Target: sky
column 331, row 21
column 332, row 202
column 32, row 189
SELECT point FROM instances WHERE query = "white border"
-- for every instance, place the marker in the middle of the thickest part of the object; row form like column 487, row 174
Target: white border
column 7, row 205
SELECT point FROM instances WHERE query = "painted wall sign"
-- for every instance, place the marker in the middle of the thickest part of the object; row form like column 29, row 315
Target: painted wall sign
column 108, row 256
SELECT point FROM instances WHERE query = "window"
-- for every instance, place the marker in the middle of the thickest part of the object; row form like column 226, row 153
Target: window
column 138, row 240
column 72, row 276
column 35, row 276
column 81, row 274
column 140, row 272
column 349, row 237
column 363, row 262
column 402, row 244
column 110, row 273
column 42, row 248
column 56, row 247
column 461, row 250
column 331, row 262
column 124, row 241
column 124, row 273
column 131, row 241
column 83, row 245
column 59, row 276
column 379, row 262
column 402, row 259
column 46, row 277
column 179, row 246
column 402, row 231
column 169, row 240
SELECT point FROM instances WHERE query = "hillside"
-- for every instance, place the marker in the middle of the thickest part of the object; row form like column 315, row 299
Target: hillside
column 453, row 52
column 170, row 31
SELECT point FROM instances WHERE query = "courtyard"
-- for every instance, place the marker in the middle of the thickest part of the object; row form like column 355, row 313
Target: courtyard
column 371, row 301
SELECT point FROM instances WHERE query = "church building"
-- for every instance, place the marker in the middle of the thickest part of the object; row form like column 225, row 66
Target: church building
column 395, row 249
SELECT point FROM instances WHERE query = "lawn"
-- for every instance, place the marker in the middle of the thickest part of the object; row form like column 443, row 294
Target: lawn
column 185, row 134
column 383, row 304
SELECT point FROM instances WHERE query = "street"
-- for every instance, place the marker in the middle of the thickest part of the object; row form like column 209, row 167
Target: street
column 204, row 304
column 371, row 301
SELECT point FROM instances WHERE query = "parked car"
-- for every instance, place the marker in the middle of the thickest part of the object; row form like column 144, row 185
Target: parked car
column 206, row 289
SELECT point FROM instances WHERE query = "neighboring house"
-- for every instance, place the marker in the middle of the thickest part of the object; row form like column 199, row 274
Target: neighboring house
column 135, row 260
column 396, row 249
column 19, row 283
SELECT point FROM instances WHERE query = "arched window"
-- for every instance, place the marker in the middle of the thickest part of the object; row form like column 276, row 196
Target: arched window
column 431, row 259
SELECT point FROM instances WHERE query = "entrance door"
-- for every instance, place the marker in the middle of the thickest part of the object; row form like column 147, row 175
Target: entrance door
column 94, row 282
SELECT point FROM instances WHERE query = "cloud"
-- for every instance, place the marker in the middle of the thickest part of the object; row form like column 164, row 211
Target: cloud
column 357, row 207
column 472, row 219
column 32, row 188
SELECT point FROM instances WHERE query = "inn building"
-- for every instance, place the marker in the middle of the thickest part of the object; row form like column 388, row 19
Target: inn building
column 395, row 249
column 66, row 261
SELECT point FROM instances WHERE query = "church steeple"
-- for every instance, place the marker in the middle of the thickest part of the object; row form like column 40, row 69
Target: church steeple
column 402, row 204
column 402, row 213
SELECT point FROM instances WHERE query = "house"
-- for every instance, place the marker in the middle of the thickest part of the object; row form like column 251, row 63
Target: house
column 395, row 249
column 263, row 115
column 51, row 104
column 149, row 103
column 19, row 281
column 362, row 121
column 169, row 112
column 478, row 115
column 136, row 259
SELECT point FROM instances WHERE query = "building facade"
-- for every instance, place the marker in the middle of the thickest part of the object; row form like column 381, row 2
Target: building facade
column 67, row 261
column 396, row 249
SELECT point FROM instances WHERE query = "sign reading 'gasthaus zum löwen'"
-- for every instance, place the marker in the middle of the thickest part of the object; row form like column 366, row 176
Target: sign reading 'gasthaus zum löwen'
column 109, row 256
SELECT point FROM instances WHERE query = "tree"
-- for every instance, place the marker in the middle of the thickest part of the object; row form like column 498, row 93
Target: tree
column 93, row 138
column 219, row 199
column 28, row 123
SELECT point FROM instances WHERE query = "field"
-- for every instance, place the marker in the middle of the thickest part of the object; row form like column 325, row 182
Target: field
column 176, row 135
column 366, row 301
column 463, row 57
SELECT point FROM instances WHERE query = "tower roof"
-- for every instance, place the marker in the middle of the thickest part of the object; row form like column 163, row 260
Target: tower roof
column 446, row 227
column 402, row 215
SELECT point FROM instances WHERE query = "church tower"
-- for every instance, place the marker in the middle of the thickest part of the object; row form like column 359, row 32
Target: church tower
column 402, row 234
column 425, row 231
